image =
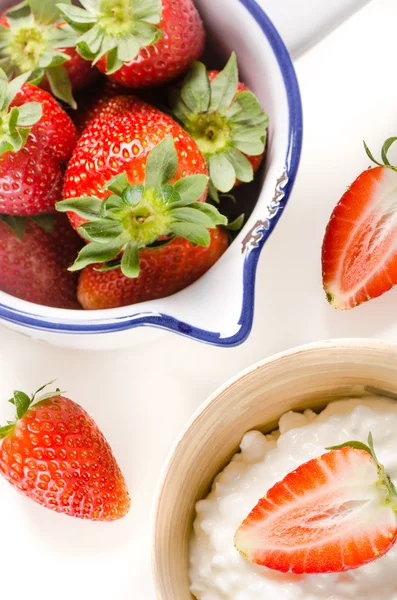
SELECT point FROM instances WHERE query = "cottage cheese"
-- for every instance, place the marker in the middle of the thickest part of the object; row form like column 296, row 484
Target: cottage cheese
column 219, row 572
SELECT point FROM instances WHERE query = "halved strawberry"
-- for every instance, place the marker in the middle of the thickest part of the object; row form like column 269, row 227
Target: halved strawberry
column 334, row 513
column 359, row 256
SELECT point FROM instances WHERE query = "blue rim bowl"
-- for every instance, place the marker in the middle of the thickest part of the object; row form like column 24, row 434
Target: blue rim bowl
column 51, row 323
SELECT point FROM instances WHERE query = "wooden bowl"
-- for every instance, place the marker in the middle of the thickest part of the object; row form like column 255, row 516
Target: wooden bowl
column 306, row 377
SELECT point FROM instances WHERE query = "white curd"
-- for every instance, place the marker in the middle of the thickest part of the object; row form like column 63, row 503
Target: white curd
column 219, row 572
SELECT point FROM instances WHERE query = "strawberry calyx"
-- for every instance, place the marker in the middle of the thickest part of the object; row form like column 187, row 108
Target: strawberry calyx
column 385, row 149
column 384, row 483
column 15, row 122
column 23, row 403
column 143, row 216
column 226, row 124
column 115, row 28
column 32, row 44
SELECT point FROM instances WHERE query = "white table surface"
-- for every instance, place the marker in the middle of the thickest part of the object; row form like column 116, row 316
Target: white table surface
column 141, row 398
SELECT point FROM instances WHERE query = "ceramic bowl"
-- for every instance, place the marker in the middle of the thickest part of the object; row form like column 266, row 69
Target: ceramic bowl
column 306, row 377
column 219, row 307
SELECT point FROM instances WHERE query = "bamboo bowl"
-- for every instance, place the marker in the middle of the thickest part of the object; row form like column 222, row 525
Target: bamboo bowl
column 306, row 377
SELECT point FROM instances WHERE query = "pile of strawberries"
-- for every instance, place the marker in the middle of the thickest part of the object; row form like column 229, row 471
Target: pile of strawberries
column 85, row 130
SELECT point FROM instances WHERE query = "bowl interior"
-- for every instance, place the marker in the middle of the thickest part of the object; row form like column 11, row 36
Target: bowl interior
column 228, row 287
column 309, row 377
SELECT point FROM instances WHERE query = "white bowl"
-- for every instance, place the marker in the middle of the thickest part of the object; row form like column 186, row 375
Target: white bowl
column 219, row 307
column 306, row 377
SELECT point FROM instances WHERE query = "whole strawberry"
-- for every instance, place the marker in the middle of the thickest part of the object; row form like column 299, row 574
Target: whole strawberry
column 136, row 180
column 55, row 455
column 359, row 254
column 332, row 514
column 163, row 272
column 34, row 255
column 36, row 140
column 138, row 43
column 226, row 121
column 92, row 102
column 35, row 39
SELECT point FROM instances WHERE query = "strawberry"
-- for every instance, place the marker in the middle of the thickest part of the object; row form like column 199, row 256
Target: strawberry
column 359, row 255
column 34, row 39
column 36, row 140
column 164, row 271
column 91, row 104
column 138, row 44
column 34, row 256
column 152, row 177
column 334, row 513
column 55, row 454
column 225, row 119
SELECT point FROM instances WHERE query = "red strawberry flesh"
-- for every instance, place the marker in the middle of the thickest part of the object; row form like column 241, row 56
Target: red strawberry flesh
column 331, row 514
column 359, row 257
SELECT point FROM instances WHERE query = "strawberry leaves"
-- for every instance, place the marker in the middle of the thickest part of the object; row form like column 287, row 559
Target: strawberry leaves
column 222, row 172
column 98, row 252
column 196, row 89
column 384, row 479
column 188, row 189
column 226, row 124
column 224, row 87
column 87, row 207
column 248, row 124
column 115, row 29
column 130, row 260
column 133, row 217
column 6, row 430
column 23, row 402
column 16, row 122
column 44, row 11
column 385, row 149
column 162, row 163
column 18, row 224
column 60, row 84
column 31, row 25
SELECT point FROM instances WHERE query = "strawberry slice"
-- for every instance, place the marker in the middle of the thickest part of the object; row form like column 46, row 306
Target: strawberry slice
column 334, row 513
column 359, row 256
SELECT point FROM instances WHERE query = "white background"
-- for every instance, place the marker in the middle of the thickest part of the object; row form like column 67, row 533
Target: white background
column 141, row 398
